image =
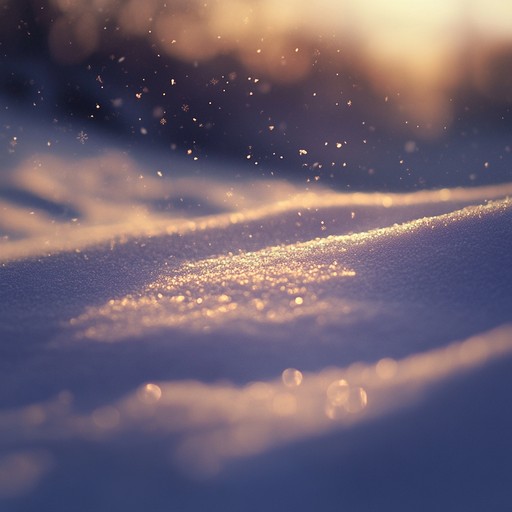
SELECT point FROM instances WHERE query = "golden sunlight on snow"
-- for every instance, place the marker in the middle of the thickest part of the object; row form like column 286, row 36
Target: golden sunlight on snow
column 114, row 202
column 277, row 285
column 208, row 424
column 272, row 286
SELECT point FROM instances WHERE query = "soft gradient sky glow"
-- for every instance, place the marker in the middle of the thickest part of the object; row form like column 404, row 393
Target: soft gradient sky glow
column 423, row 50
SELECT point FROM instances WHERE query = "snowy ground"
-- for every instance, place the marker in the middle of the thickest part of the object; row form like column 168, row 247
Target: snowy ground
column 250, row 346
column 255, row 257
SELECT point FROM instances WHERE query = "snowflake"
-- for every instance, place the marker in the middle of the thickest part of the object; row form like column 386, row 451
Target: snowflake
column 82, row 137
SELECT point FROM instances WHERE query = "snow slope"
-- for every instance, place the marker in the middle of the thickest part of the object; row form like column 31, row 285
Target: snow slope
column 177, row 344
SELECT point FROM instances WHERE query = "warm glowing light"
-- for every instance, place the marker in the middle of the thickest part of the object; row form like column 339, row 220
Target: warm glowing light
column 113, row 203
column 291, row 377
column 386, row 368
column 357, row 400
column 149, row 393
column 284, row 404
column 337, row 392
column 216, row 422
column 260, row 391
column 340, row 395
column 423, row 49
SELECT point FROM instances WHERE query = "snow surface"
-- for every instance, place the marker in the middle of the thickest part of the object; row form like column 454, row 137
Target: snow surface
column 251, row 347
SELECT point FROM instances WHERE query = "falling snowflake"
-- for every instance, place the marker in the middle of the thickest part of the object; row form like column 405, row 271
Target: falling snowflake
column 82, row 137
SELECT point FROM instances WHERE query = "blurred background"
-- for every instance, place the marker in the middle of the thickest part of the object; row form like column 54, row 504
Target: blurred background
column 352, row 94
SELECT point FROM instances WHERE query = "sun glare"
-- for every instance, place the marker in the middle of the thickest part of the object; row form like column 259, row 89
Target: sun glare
column 425, row 49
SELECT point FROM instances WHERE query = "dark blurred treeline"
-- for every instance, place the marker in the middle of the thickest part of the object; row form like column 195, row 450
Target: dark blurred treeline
column 332, row 125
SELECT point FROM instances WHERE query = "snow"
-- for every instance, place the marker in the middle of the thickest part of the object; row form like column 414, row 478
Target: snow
column 250, row 346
